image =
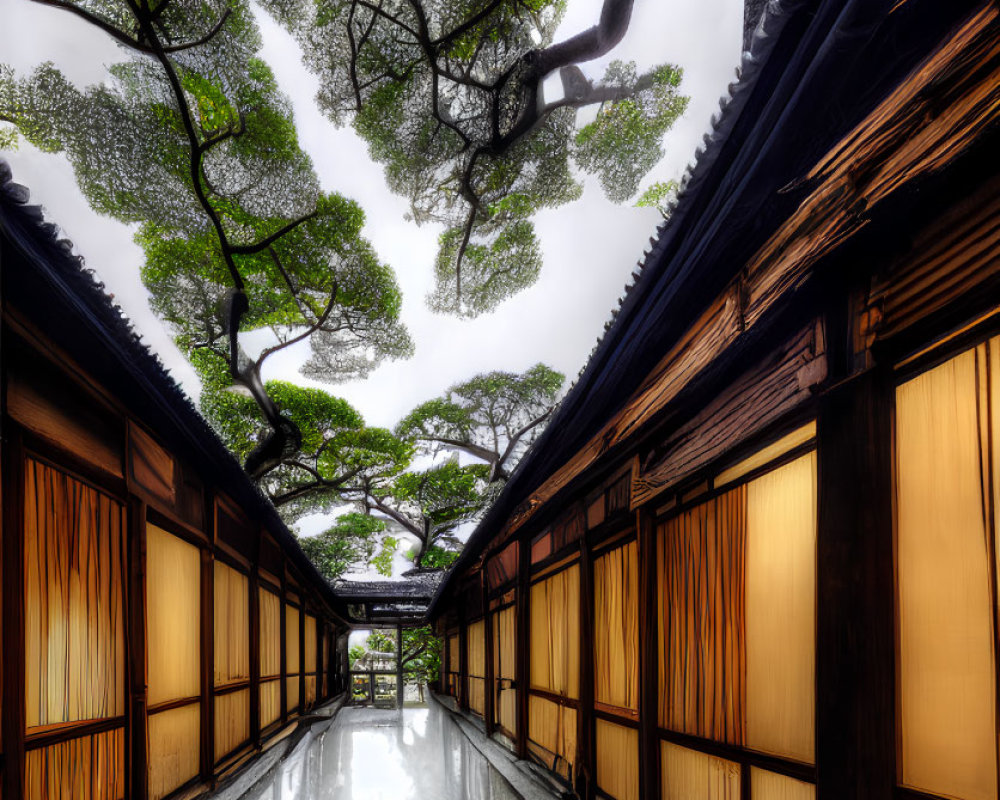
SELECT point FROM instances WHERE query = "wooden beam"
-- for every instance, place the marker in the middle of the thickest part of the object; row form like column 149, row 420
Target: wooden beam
column 522, row 663
column 137, row 648
column 13, row 617
column 649, row 746
column 208, row 649
column 254, row 600
column 399, row 666
column 586, row 766
column 855, row 635
column 489, row 692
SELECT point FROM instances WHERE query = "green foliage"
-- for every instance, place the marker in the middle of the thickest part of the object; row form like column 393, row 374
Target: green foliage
column 438, row 557
column 383, row 561
column 658, row 196
column 493, row 416
column 448, row 98
column 348, row 544
column 421, row 651
column 624, row 142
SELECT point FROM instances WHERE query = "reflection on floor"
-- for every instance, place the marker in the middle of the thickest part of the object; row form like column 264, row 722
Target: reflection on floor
column 371, row 754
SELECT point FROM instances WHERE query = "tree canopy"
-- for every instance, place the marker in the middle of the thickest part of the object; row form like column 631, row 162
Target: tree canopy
column 449, row 96
column 493, row 417
column 191, row 140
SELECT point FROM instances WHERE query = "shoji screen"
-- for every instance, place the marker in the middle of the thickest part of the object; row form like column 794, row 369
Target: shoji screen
column 270, row 657
column 555, row 669
column 947, row 496
column 310, row 667
column 504, row 655
column 616, row 670
column 173, row 653
column 74, row 637
column 232, row 660
column 475, row 643
column 293, row 660
column 737, row 601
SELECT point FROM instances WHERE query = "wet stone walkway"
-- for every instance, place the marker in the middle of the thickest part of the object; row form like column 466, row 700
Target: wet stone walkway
column 373, row 754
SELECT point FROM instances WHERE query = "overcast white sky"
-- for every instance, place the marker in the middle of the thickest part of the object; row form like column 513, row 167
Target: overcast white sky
column 590, row 247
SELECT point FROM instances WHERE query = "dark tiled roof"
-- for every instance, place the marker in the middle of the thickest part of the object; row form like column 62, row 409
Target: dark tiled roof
column 419, row 585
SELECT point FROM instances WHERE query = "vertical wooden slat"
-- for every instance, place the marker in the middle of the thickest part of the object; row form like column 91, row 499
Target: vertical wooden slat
column 283, row 683
column 649, row 749
column 463, row 661
column 207, row 663
column 399, row 666
column 489, row 694
column 855, row 653
column 137, row 647
column 585, row 725
column 13, row 617
column 302, row 649
column 254, row 595
column 522, row 664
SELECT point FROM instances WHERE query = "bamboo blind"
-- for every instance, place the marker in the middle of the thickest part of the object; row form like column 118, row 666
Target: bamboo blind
column 736, row 615
column 475, row 644
column 293, row 660
column 90, row 767
column 74, row 619
column 270, row 634
column 688, row 774
column 553, row 727
column 947, row 425
column 270, row 702
column 174, row 745
column 616, row 628
column 232, row 722
column 173, row 647
column 555, row 633
column 766, row 785
column 232, row 625
column 504, row 655
column 618, row 760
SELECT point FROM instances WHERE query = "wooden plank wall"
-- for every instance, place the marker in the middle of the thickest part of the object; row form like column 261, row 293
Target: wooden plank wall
column 53, row 412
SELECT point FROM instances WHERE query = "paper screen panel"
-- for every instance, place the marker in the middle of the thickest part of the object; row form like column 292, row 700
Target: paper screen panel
column 232, row 625
column 270, row 702
column 291, row 694
column 74, row 639
column 309, row 645
column 555, row 633
column 618, row 760
column 292, row 659
column 781, row 610
column 453, row 653
column 310, row 690
column 690, row 775
column 553, row 727
column 766, row 785
column 504, row 654
column 232, row 722
column 476, row 643
column 270, row 634
column 616, row 628
column 173, row 616
column 174, row 745
column 88, row 768
column 947, row 672
column 700, row 618
column 477, row 695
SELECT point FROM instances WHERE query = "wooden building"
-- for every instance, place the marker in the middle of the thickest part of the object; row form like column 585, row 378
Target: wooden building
column 754, row 555
column 159, row 623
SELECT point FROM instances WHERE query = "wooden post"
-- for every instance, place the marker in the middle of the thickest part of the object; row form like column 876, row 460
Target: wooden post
column 489, row 690
column 522, row 663
column 254, row 657
column 207, row 663
column 136, row 630
column 585, row 726
column 302, row 650
column 463, row 661
column 283, row 680
column 649, row 749
column 13, row 617
column 855, row 638
column 399, row 665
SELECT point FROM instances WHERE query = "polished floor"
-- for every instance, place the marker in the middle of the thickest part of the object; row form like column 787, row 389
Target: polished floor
column 371, row 754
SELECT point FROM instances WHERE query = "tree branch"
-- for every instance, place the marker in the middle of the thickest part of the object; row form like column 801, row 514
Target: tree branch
column 252, row 249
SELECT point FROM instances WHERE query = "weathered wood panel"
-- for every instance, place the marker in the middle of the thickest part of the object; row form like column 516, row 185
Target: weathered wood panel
column 760, row 396
column 926, row 123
